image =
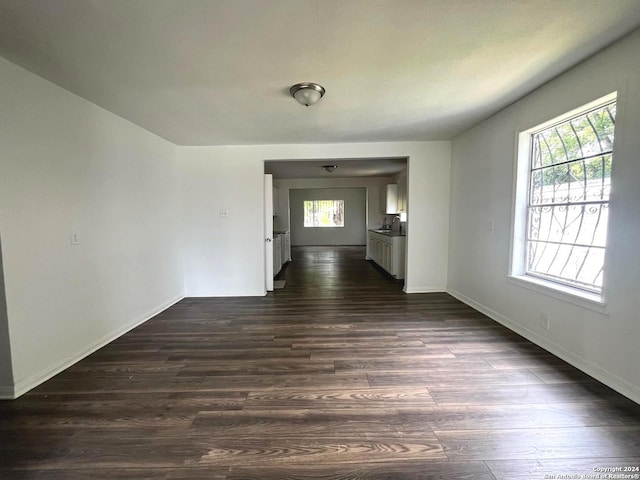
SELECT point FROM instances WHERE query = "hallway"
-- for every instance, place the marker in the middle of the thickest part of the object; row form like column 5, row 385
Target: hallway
column 339, row 375
column 328, row 271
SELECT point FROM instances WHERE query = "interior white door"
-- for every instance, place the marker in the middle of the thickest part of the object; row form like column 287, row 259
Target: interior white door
column 268, row 231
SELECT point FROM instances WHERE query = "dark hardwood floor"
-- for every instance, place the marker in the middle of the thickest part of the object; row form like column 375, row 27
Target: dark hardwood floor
column 337, row 376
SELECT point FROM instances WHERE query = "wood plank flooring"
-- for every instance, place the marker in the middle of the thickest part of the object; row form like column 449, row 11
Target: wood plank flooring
column 339, row 375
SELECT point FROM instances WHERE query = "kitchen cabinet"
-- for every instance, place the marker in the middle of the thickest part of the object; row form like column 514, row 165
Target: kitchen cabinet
column 286, row 247
column 281, row 250
column 402, row 192
column 277, row 254
column 276, row 200
column 390, row 199
column 388, row 251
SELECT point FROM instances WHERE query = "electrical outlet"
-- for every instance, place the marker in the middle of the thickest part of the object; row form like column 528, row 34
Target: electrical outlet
column 544, row 321
column 74, row 239
column 224, row 213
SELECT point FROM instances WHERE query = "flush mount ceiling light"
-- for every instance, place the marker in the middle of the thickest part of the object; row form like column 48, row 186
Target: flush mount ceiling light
column 330, row 168
column 307, row 93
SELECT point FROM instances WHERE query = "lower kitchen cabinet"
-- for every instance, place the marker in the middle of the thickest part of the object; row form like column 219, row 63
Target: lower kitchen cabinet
column 388, row 251
column 277, row 254
column 281, row 251
column 286, row 248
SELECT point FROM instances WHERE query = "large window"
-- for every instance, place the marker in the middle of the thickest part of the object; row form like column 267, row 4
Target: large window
column 567, row 197
column 324, row 213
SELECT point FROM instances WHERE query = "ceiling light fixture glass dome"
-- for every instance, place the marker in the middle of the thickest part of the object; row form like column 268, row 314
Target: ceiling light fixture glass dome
column 307, row 93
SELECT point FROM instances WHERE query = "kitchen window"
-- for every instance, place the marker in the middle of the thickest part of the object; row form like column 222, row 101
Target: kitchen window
column 563, row 189
column 324, row 213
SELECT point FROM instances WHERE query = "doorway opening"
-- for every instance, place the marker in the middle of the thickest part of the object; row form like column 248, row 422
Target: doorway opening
column 362, row 184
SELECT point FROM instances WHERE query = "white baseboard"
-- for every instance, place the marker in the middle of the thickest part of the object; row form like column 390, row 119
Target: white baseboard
column 228, row 294
column 23, row 386
column 6, row 392
column 424, row 289
column 611, row 380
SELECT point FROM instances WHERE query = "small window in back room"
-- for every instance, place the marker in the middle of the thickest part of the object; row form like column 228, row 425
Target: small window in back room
column 324, row 213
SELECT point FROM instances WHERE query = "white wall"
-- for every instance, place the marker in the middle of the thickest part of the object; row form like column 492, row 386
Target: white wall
column 224, row 256
column 354, row 231
column 603, row 345
column 6, row 372
column 68, row 166
column 373, row 185
column 428, row 183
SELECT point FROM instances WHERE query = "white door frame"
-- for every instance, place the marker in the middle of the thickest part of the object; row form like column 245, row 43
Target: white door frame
column 268, row 232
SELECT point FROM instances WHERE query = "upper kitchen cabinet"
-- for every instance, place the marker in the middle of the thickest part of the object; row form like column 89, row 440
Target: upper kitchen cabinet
column 402, row 192
column 276, row 199
column 390, row 199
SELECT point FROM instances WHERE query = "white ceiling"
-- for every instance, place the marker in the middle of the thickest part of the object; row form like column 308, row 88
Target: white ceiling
column 372, row 167
column 217, row 72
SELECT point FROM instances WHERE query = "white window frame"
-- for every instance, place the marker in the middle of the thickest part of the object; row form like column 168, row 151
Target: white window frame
column 517, row 266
